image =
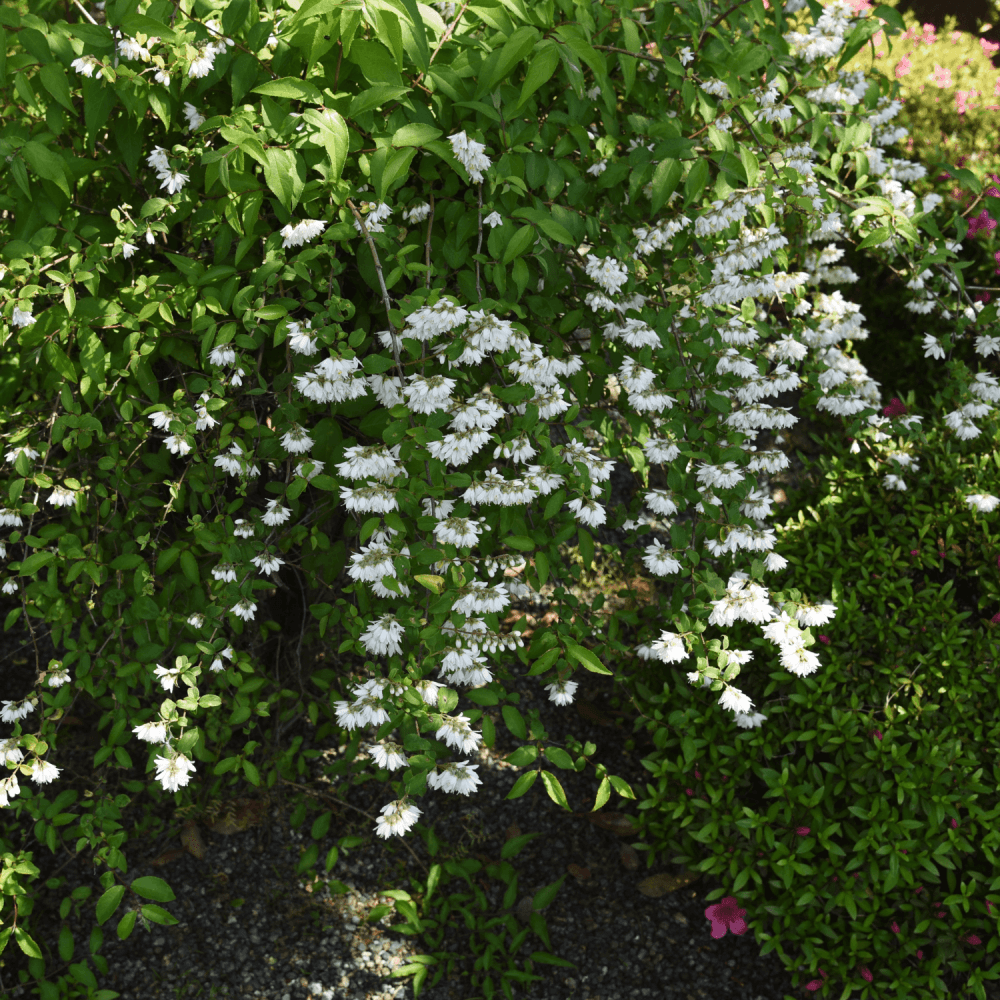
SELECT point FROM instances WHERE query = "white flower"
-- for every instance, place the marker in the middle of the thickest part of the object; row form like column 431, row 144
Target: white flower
column 267, row 563
column 388, row 755
column 10, row 518
column 177, row 445
column 587, row 512
column 381, row 638
column 11, row 455
column 128, row 249
column 932, row 349
column 669, row 648
column 174, row 772
column 10, row 752
column 11, row 714
column 276, row 514
column 222, row 355
column 10, row 586
column 168, row 676
column 301, row 232
column 297, row 441
column 8, row 789
column 460, row 778
column 62, row 497
column 397, row 817
column 458, row 531
column 129, row 48
column 226, row 572
column 685, row 56
column 736, row 700
column 158, row 161
column 43, row 772
column 561, row 692
column 196, row 620
column 816, row 614
column 85, row 65
column 244, row 609
column 417, row 213
column 456, row 732
column 173, row 181
column 493, row 219
column 203, row 64
column 598, row 168
column 745, row 721
column 161, row 76
column 21, row 318
column 195, row 118
column 983, row 503
column 471, row 154
column 57, row 678
column 151, row 732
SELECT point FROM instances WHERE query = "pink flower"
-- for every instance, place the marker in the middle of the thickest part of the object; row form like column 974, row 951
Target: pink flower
column 940, row 76
column 877, row 733
column 919, row 889
column 983, row 297
column 697, row 774
column 865, row 973
column 914, row 552
column 896, row 408
column 859, row 6
column 825, row 639
column 982, row 222
column 814, row 984
column 894, row 927
column 903, row 67
column 954, row 824
column 920, row 953
column 690, row 791
column 802, row 831
column 996, row 618
column 989, row 907
column 956, row 37
column 972, row 939
column 989, row 47
column 903, row 850
column 726, row 915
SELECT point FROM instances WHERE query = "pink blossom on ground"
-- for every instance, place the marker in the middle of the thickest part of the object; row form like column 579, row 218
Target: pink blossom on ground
column 903, row 67
column 726, row 915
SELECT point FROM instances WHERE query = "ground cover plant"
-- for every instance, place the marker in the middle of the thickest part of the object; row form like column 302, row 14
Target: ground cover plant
column 324, row 328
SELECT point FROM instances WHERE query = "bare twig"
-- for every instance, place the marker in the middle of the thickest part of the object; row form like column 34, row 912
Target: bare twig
column 385, row 294
column 479, row 245
column 427, row 254
column 83, row 10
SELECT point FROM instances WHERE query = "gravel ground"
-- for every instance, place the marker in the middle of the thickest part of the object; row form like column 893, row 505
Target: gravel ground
column 249, row 926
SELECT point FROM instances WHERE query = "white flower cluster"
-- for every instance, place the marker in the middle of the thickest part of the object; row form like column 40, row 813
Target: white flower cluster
column 301, row 232
column 471, row 154
column 335, row 380
column 826, row 37
column 170, row 179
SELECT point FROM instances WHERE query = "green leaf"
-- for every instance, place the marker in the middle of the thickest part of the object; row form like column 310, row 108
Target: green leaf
column 666, row 177
column 27, row 943
column 555, row 790
column 516, row 844
column 415, row 134
column 622, row 787
column 57, row 358
column 153, row 888
column 545, row 896
column 560, row 758
column 586, row 658
column 890, row 15
column 697, row 178
column 515, row 722
column 432, row 582
column 291, row 87
column 519, row 243
column 603, row 793
column 375, row 96
column 126, row 924
column 53, row 78
column 522, row 785
column 522, row 756
column 46, row 164
column 875, row 237
column 253, row 775
column 108, row 903
column 543, row 64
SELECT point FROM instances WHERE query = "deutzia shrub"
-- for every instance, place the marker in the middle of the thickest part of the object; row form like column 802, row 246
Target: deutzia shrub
column 382, row 330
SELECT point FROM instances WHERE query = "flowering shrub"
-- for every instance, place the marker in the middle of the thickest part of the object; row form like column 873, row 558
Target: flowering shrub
column 366, row 305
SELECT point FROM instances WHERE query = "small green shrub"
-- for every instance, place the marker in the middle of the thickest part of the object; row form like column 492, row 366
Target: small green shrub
column 858, row 825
